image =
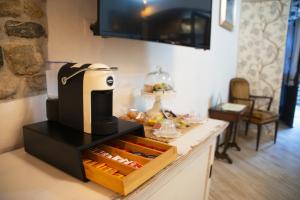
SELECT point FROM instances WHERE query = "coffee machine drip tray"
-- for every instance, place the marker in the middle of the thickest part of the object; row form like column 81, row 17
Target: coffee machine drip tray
column 105, row 126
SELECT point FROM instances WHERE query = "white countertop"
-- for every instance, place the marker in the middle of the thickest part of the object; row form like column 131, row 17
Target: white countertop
column 23, row 176
column 26, row 177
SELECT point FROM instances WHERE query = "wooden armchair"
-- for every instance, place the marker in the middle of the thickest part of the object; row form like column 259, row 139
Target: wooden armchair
column 240, row 93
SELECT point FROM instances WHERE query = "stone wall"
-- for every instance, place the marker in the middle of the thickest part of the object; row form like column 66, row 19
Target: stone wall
column 23, row 48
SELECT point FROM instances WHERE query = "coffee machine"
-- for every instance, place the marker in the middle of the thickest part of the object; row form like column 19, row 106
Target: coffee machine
column 85, row 98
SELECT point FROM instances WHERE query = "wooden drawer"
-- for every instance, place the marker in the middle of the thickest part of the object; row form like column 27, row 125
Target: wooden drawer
column 125, row 147
column 225, row 115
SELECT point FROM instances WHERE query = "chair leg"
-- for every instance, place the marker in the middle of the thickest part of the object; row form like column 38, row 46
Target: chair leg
column 258, row 136
column 276, row 129
column 247, row 127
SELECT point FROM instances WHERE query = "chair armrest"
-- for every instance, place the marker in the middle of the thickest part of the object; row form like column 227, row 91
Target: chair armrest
column 243, row 99
column 263, row 97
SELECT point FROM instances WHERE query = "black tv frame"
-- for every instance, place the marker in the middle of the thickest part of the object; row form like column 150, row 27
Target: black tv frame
column 96, row 28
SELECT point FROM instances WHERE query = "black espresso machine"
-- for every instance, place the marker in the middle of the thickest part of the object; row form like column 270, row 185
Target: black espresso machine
column 81, row 117
column 85, row 98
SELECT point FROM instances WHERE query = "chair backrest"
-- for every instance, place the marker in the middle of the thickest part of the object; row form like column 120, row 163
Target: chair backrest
column 239, row 88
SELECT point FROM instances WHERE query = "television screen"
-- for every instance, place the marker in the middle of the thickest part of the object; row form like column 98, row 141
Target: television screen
column 180, row 22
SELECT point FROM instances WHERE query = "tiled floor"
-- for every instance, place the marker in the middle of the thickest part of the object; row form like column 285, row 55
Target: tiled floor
column 272, row 173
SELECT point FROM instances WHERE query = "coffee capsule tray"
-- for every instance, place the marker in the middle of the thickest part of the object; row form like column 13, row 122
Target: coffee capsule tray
column 124, row 164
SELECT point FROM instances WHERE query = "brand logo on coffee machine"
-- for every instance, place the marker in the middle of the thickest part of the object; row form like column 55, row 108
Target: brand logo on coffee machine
column 110, row 80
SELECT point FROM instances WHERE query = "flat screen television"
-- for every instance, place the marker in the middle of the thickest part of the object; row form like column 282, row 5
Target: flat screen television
column 179, row 22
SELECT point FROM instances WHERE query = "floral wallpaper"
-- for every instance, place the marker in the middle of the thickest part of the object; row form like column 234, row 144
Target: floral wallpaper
column 262, row 40
column 263, row 31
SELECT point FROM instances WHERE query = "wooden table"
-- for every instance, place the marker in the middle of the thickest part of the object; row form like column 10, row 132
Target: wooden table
column 233, row 117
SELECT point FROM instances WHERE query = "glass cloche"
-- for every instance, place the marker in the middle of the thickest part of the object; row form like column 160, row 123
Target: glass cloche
column 158, row 81
column 158, row 84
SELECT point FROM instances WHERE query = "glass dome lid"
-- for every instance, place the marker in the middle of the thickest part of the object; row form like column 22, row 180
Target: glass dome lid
column 158, row 81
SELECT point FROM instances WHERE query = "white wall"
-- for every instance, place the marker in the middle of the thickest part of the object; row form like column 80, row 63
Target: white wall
column 14, row 114
column 198, row 74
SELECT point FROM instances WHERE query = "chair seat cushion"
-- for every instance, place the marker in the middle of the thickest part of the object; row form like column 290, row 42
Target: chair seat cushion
column 261, row 116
